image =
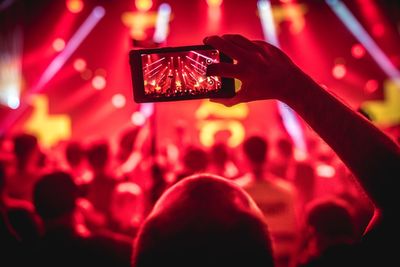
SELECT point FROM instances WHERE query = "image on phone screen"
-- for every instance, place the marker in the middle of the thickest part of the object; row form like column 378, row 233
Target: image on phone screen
column 179, row 73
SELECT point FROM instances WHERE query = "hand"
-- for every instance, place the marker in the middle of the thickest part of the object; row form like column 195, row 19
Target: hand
column 264, row 70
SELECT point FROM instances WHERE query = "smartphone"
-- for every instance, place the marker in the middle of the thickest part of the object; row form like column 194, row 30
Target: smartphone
column 178, row 73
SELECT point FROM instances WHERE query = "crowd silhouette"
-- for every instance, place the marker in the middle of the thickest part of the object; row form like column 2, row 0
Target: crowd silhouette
column 88, row 203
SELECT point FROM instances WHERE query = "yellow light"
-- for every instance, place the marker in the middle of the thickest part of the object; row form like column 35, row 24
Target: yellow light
column 49, row 129
column 385, row 112
column 214, row 3
column 143, row 5
column 75, row 6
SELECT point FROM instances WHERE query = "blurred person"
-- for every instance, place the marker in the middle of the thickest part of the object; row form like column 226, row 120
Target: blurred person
column 304, row 181
column 329, row 234
column 28, row 165
column 274, row 196
column 126, row 209
column 194, row 160
column 203, row 220
column 63, row 244
column 75, row 156
column 104, row 181
column 283, row 160
column 372, row 156
column 221, row 162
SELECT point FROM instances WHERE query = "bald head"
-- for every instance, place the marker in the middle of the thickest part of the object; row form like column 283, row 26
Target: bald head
column 204, row 220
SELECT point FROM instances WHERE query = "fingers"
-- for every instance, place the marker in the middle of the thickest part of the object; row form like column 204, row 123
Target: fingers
column 240, row 97
column 224, row 70
column 225, row 46
column 241, row 41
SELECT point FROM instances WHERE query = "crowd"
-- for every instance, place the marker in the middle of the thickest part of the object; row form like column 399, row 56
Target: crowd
column 86, row 203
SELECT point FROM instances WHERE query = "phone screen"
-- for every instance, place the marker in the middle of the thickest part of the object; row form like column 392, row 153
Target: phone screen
column 179, row 73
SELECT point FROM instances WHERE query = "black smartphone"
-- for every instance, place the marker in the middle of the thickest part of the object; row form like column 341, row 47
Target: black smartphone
column 178, row 73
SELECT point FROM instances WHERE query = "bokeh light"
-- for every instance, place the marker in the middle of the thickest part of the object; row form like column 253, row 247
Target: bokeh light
column 79, row 64
column 118, row 100
column 58, row 44
column 138, row 118
column 99, row 82
column 339, row 71
column 357, row 51
column 371, row 86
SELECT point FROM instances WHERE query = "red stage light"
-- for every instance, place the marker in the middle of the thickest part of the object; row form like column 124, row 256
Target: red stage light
column 357, row 51
column 339, row 71
column 143, row 5
column 214, row 3
column 79, row 64
column 99, row 82
column 118, row 100
column 74, row 6
column 138, row 118
column 371, row 86
column 58, row 44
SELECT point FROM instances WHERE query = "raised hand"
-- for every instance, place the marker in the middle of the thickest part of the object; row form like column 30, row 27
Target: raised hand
column 264, row 70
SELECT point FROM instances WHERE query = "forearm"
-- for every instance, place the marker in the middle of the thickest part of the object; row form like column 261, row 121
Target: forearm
column 371, row 155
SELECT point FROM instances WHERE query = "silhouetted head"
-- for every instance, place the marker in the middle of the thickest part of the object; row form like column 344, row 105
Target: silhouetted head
column 331, row 220
column 195, row 159
column 98, row 155
column 126, row 203
column 203, row 220
column 219, row 154
column 55, row 195
column 255, row 149
column 25, row 149
column 74, row 153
